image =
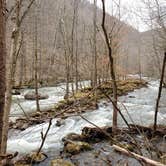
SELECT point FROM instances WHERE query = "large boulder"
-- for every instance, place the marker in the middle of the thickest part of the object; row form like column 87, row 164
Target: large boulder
column 60, row 162
column 32, row 96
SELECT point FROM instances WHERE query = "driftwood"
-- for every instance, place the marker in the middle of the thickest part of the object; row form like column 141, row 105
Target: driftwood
column 137, row 156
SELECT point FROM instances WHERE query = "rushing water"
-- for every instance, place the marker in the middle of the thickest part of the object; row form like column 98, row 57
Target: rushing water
column 139, row 103
column 20, row 105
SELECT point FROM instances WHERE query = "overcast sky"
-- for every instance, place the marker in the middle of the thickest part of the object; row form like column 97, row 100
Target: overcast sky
column 130, row 12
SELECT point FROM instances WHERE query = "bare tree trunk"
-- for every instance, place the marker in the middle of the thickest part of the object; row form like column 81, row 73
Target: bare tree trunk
column 139, row 61
column 76, row 50
column 67, row 75
column 114, row 85
column 2, row 72
column 95, row 51
column 76, row 65
column 22, row 63
column 14, row 52
column 72, row 51
column 36, row 66
column 15, row 47
column 67, row 56
column 159, row 93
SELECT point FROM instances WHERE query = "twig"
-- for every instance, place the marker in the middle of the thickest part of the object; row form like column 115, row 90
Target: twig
column 115, row 106
column 141, row 133
column 26, row 12
column 26, row 115
column 43, row 137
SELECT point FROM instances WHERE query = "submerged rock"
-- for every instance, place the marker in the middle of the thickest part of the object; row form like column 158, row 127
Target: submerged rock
column 32, row 96
column 60, row 122
column 60, row 162
column 76, row 147
column 131, row 96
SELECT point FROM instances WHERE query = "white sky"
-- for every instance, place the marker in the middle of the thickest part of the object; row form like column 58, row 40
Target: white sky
column 130, row 12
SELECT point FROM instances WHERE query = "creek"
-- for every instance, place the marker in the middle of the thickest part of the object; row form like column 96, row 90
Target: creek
column 140, row 105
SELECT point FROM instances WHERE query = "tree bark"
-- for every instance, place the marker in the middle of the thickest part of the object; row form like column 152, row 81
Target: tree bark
column 95, row 51
column 14, row 52
column 159, row 92
column 36, row 66
column 2, row 71
column 76, row 49
column 114, row 85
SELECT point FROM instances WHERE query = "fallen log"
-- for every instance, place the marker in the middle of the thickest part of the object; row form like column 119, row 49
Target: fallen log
column 137, row 156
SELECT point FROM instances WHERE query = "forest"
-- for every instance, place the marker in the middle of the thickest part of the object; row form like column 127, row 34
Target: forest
column 82, row 83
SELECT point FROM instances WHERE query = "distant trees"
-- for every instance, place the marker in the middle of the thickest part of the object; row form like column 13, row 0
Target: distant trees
column 81, row 21
column 156, row 19
column 2, row 73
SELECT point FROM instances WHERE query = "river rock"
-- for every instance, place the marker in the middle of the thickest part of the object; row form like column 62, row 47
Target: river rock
column 32, row 96
column 20, row 124
column 93, row 134
column 60, row 122
column 73, row 137
column 16, row 92
column 60, row 162
column 131, row 96
column 74, row 147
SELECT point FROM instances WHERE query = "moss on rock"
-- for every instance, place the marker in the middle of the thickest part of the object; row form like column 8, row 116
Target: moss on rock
column 37, row 158
column 76, row 147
